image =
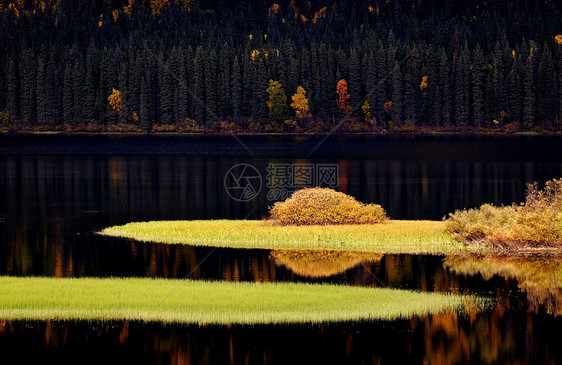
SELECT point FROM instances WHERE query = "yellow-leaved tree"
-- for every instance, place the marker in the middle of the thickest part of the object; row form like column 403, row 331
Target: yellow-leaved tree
column 366, row 111
column 300, row 103
column 115, row 101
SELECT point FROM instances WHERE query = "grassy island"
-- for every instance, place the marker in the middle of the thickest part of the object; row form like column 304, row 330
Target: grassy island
column 393, row 236
column 205, row 302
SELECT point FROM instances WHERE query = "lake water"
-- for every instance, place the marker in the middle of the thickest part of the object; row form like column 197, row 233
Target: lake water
column 57, row 191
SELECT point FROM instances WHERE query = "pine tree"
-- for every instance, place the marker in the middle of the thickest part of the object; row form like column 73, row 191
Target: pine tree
column 477, row 87
column 461, row 91
column 88, row 106
column 166, row 89
column 437, row 107
column 410, row 85
column 529, row 95
column 145, row 115
column 371, row 84
column 236, row 84
column 397, row 94
column 78, row 90
column 382, row 80
column 28, row 86
column 68, row 96
column 546, row 88
column 224, row 79
column 108, row 82
column 515, row 91
column 183, row 92
column 124, row 114
column 354, row 80
column 199, row 85
column 211, row 86
column 445, row 89
column 259, row 94
column 42, row 107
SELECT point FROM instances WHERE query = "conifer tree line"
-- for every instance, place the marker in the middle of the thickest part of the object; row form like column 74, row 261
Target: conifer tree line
column 270, row 65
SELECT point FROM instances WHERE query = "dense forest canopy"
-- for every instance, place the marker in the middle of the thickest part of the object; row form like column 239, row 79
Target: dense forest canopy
column 280, row 65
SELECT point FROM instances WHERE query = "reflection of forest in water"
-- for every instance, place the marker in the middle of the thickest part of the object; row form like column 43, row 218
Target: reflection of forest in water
column 491, row 337
column 538, row 275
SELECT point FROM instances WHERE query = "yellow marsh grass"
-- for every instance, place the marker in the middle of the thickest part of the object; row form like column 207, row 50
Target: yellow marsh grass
column 416, row 237
column 322, row 263
column 206, row 302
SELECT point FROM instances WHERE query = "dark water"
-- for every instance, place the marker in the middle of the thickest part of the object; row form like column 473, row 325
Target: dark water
column 56, row 191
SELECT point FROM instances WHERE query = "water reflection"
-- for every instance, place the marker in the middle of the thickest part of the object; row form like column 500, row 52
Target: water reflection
column 538, row 275
column 497, row 337
column 322, row 263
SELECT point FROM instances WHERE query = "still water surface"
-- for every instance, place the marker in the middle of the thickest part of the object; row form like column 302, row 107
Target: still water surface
column 56, row 192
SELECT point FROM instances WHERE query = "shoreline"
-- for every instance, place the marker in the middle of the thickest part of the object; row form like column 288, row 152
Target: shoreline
column 392, row 237
column 421, row 133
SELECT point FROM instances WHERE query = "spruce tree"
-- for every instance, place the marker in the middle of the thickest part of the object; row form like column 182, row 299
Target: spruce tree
column 199, row 85
column 477, row 87
column 68, row 96
column 236, row 84
column 78, row 90
column 546, row 88
column 445, row 90
column 515, row 91
column 28, row 86
column 166, row 89
column 42, row 107
column 259, row 105
column 88, row 105
column 529, row 95
column 124, row 113
column 183, row 92
column 396, row 94
column 354, row 81
column 211, row 86
column 145, row 115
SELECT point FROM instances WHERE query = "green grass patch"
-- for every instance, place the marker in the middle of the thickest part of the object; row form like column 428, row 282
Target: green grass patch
column 207, row 302
column 395, row 236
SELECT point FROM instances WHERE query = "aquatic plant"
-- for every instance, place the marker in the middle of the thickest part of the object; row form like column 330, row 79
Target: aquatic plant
column 212, row 302
column 395, row 236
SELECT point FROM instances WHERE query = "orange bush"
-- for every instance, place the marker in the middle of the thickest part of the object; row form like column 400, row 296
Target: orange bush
column 322, row 206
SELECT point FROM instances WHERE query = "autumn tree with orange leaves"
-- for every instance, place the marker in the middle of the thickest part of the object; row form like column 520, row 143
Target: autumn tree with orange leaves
column 343, row 102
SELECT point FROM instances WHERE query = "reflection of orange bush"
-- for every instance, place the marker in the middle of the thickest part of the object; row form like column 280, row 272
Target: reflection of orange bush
column 321, row 263
column 321, row 206
column 538, row 275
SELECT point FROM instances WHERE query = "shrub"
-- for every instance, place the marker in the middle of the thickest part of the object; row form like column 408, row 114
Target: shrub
column 537, row 222
column 322, row 206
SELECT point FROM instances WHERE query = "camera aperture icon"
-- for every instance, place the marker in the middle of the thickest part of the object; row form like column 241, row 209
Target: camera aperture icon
column 242, row 182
